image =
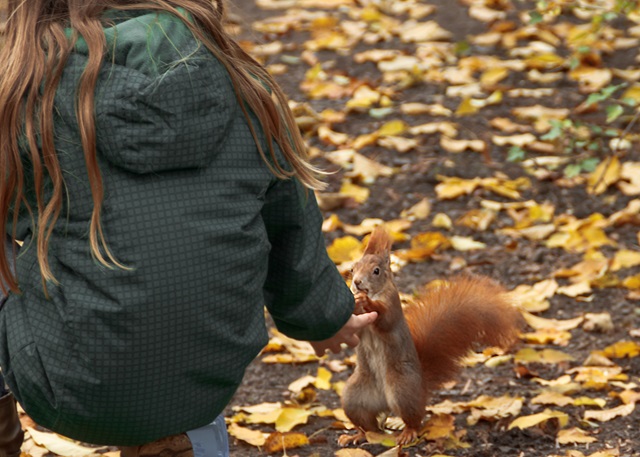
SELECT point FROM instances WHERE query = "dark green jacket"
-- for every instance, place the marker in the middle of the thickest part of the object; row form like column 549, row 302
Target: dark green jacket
column 124, row 357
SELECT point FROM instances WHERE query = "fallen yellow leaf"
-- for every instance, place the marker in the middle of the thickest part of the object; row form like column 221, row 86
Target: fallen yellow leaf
column 352, row 452
column 443, row 221
column 345, row 249
column 574, row 435
column 625, row 258
column 549, row 356
column 608, row 172
column 423, row 31
column 630, row 182
column 465, row 243
column 520, row 140
column 457, row 146
column 609, row 414
column 535, row 419
column 323, row 379
column 253, row 437
column 290, row 418
column 367, row 169
column 573, row 290
column 393, row 128
column 424, row 245
column 534, row 298
column 493, row 76
column 539, row 323
column 359, row 193
column 452, row 187
column 622, row 349
column 59, row 445
column 550, row 397
column 419, row 211
column 277, row 442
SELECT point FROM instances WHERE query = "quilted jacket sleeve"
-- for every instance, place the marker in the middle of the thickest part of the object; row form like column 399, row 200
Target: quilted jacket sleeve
column 305, row 294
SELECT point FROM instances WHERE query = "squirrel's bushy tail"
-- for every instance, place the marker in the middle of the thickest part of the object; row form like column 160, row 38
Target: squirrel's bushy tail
column 447, row 321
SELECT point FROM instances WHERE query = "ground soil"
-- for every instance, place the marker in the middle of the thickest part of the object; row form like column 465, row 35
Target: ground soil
column 512, row 263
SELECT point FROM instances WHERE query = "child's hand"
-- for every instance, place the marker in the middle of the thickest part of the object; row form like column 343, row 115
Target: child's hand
column 348, row 334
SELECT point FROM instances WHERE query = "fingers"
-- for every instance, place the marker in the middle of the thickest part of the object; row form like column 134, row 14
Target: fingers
column 362, row 320
column 347, row 335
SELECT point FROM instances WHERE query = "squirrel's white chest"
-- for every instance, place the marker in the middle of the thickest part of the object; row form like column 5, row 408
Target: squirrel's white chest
column 375, row 354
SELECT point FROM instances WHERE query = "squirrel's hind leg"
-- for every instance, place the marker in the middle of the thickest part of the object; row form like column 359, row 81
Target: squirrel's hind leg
column 362, row 402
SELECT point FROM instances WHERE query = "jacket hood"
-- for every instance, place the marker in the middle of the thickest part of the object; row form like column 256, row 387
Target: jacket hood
column 160, row 96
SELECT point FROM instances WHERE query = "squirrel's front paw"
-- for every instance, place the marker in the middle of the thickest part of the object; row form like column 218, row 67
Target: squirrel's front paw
column 362, row 302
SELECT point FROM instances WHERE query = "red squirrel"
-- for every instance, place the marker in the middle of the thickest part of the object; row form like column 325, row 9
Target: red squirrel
column 404, row 355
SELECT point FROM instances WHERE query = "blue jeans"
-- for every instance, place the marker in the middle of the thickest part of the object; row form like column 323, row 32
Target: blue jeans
column 211, row 440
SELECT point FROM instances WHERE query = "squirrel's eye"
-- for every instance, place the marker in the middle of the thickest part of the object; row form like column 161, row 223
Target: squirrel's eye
column 376, row 271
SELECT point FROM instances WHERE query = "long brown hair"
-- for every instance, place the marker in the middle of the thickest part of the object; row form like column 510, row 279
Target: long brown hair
column 34, row 54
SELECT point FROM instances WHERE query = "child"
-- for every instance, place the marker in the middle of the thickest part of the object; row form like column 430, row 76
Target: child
column 160, row 189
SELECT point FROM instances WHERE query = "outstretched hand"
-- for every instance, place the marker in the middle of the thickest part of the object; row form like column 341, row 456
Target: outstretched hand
column 348, row 334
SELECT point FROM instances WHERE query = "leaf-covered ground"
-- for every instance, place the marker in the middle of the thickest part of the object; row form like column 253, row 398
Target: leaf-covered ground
column 493, row 137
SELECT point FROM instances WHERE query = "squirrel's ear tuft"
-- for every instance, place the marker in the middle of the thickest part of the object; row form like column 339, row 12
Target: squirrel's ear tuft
column 379, row 242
